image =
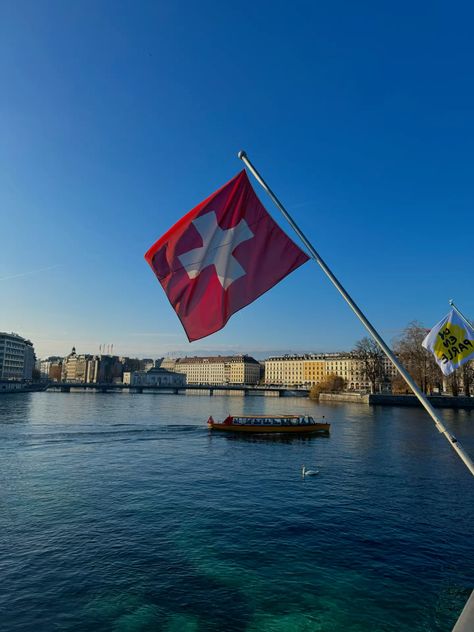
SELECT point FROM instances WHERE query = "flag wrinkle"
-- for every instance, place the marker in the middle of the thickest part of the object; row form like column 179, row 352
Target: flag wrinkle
column 210, row 278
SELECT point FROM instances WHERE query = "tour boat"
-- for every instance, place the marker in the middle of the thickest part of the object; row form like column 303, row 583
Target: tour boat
column 270, row 424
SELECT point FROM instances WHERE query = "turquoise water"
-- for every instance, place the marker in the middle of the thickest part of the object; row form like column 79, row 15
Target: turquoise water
column 121, row 512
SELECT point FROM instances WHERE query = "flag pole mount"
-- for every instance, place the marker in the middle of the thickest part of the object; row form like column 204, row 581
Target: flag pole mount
column 459, row 312
column 370, row 328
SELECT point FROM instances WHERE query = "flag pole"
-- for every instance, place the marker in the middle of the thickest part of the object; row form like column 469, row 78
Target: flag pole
column 459, row 312
column 385, row 348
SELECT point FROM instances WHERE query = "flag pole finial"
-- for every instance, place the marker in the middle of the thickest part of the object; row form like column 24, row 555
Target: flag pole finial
column 458, row 311
column 242, row 154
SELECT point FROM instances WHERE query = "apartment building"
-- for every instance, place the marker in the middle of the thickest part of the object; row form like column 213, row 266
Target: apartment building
column 307, row 370
column 17, row 357
column 50, row 368
column 239, row 369
column 75, row 367
column 295, row 370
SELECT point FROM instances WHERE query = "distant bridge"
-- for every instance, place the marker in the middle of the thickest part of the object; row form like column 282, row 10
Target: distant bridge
column 278, row 391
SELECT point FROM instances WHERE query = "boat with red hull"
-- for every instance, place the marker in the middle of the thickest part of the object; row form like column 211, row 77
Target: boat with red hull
column 290, row 424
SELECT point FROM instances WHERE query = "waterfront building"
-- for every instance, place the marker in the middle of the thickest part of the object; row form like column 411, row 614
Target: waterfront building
column 351, row 370
column 75, row 367
column 50, row 368
column 238, row 369
column 310, row 369
column 104, row 369
column 17, row 357
column 314, row 370
column 156, row 376
column 55, row 370
column 295, row 370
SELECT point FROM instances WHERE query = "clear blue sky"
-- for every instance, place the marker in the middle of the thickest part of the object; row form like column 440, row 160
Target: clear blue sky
column 116, row 118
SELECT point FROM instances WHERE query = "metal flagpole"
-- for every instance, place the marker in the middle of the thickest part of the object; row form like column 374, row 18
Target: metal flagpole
column 458, row 311
column 385, row 348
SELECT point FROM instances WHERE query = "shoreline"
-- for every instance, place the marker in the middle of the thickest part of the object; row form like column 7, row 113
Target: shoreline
column 438, row 401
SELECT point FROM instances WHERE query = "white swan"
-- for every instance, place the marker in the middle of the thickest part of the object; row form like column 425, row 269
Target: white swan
column 305, row 472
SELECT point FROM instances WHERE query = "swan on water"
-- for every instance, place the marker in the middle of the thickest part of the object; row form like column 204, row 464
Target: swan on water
column 305, row 472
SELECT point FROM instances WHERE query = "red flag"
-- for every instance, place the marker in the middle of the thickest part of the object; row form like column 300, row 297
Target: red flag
column 221, row 256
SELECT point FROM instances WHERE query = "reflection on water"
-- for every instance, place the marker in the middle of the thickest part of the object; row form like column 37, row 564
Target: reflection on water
column 124, row 512
column 270, row 437
column 15, row 407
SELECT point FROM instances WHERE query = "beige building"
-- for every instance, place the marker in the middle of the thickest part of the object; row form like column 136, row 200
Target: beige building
column 310, row 369
column 313, row 371
column 76, row 367
column 295, row 370
column 239, row 369
column 351, row 370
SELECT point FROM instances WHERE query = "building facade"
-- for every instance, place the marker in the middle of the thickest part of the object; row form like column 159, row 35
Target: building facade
column 104, row 369
column 295, row 370
column 308, row 370
column 17, row 357
column 239, row 369
column 75, row 367
column 156, row 376
column 50, row 368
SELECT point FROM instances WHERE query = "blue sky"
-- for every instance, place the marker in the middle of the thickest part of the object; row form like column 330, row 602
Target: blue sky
column 117, row 118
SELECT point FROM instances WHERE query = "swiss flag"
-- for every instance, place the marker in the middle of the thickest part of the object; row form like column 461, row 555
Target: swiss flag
column 221, row 256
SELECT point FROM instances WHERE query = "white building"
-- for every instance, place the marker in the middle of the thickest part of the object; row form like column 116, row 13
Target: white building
column 154, row 377
column 17, row 357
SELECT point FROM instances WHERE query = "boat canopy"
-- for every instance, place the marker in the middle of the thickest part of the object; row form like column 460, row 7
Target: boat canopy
column 287, row 420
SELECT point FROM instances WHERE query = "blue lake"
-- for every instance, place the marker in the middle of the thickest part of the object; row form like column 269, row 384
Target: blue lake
column 122, row 512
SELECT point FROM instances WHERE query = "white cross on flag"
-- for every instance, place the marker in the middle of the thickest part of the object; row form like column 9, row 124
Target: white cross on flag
column 221, row 256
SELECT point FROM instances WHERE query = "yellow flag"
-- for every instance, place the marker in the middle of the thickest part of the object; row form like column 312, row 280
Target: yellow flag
column 451, row 342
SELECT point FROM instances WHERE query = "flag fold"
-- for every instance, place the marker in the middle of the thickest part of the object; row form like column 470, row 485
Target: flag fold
column 221, row 256
column 451, row 342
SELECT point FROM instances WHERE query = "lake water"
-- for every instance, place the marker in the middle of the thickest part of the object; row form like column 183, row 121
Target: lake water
column 121, row 512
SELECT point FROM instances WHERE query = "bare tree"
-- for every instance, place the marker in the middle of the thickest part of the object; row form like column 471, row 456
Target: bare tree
column 419, row 362
column 452, row 382
column 372, row 358
column 467, row 372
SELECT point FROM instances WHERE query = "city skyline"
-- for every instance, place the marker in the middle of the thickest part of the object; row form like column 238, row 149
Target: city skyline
column 115, row 124
column 260, row 353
